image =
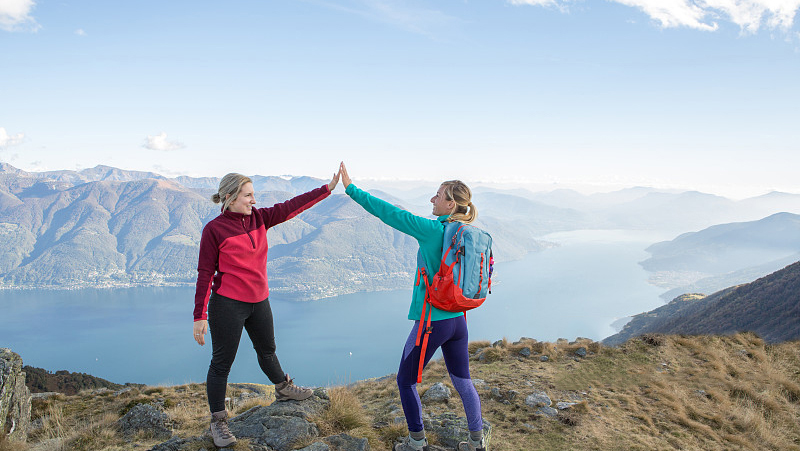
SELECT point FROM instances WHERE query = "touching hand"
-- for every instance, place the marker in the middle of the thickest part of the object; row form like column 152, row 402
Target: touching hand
column 334, row 181
column 200, row 328
column 345, row 177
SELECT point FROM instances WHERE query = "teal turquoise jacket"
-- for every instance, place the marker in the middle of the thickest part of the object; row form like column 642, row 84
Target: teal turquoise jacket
column 429, row 233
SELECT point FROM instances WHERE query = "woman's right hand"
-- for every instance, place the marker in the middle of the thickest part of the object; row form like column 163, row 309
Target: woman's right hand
column 200, row 328
column 345, row 177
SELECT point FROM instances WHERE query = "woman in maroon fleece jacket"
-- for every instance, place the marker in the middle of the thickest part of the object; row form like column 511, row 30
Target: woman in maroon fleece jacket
column 232, row 285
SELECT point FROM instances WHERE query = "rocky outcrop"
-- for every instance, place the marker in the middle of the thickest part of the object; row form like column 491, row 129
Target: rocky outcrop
column 281, row 426
column 451, row 429
column 147, row 418
column 15, row 398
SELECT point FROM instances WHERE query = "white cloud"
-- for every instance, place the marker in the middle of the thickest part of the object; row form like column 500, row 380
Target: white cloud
column 159, row 142
column 749, row 15
column 9, row 140
column 80, row 32
column 15, row 15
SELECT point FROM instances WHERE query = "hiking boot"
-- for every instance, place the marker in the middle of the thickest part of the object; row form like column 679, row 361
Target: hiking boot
column 409, row 444
column 286, row 390
column 219, row 429
column 471, row 445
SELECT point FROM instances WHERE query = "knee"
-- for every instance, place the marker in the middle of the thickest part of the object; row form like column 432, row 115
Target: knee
column 219, row 369
column 406, row 382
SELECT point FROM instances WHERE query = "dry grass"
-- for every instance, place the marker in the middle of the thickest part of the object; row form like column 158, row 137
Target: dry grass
column 657, row 392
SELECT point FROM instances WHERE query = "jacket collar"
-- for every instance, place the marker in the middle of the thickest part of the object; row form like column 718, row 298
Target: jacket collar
column 443, row 218
column 234, row 215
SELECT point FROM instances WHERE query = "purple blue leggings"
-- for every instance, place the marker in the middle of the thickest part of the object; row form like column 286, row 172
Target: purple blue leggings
column 452, row 336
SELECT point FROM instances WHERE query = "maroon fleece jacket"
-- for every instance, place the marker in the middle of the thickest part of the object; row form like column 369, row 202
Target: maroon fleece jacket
column 233, row 251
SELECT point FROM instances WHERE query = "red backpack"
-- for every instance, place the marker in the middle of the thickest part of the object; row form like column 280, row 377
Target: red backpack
column 463, row 280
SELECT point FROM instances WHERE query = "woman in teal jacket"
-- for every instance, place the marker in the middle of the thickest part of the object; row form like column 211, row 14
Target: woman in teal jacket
column 452, row 202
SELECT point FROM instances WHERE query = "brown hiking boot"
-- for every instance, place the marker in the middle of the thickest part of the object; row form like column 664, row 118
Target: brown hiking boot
column 219, row 429
column 286, row 390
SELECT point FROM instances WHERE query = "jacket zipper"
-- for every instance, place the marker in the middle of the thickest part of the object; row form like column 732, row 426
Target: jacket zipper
column 248, row 234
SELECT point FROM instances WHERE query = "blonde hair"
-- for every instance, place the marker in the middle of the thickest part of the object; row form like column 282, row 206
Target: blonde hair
column 229, row 188
column 464, row 211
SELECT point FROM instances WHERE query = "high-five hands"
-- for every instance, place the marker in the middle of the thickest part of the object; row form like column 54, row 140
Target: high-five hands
column 345, row 177
column 334, row 181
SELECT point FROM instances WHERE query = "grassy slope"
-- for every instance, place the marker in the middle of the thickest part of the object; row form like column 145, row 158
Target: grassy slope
column 673, row 392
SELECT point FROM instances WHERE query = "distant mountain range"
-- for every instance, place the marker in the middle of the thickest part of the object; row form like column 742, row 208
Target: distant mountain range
column 769, row 306
column 108, row 227
column 725, row 255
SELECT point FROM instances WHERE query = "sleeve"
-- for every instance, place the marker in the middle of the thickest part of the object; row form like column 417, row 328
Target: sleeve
column 287, row 210
column 206, row 267
column 393, row 216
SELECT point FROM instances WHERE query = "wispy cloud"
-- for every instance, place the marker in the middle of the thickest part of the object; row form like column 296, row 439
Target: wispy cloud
column 401, row 14
column 15, row 15
column 80, row 32
column 749, row 15
column 7, row 140
column 159, row 142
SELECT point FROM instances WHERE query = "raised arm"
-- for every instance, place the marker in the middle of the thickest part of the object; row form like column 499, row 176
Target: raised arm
column 391, row 215
column 287, row 210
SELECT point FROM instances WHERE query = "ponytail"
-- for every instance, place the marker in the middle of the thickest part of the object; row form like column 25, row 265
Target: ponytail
column 464, row 211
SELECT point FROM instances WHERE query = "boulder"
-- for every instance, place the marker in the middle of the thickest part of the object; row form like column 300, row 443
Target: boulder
column 279, row 426
column 15, row 398
column 538, row 399
column 146, row 418
column 344, row 442
column 452, row 429
column 437, row 393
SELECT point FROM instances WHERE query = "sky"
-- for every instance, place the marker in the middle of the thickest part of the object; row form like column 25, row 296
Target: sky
column 594, row 94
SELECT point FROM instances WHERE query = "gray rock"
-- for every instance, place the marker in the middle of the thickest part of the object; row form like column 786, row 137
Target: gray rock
column 547, row 411
column 15, row 398
column 178, row 444
column 316, row 446
column 525, row 352
column 563, row 405
column 145, row 417
column 478, row 382
column 451, row 429
column 437, row 393
column 281, row 425
column 580, row 352
column 344, row 442
column 538, row 399
column 544, row 358
column 497, row 344
column 504, row 396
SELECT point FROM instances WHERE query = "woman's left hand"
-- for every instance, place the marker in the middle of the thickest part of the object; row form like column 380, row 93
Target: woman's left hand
column 334, row 181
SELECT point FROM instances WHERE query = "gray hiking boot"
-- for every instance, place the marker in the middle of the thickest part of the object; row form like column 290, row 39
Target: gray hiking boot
column 219, row 429
column 286, row 390
column 409, row 444
column 471, row 445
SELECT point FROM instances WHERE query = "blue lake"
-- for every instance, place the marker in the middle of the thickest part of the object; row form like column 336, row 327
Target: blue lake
column 144, row 335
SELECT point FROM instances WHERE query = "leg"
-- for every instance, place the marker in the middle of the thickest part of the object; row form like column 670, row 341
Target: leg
column 409, row 365
column 225, row 321
column 260, row 328
column 456, row 357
